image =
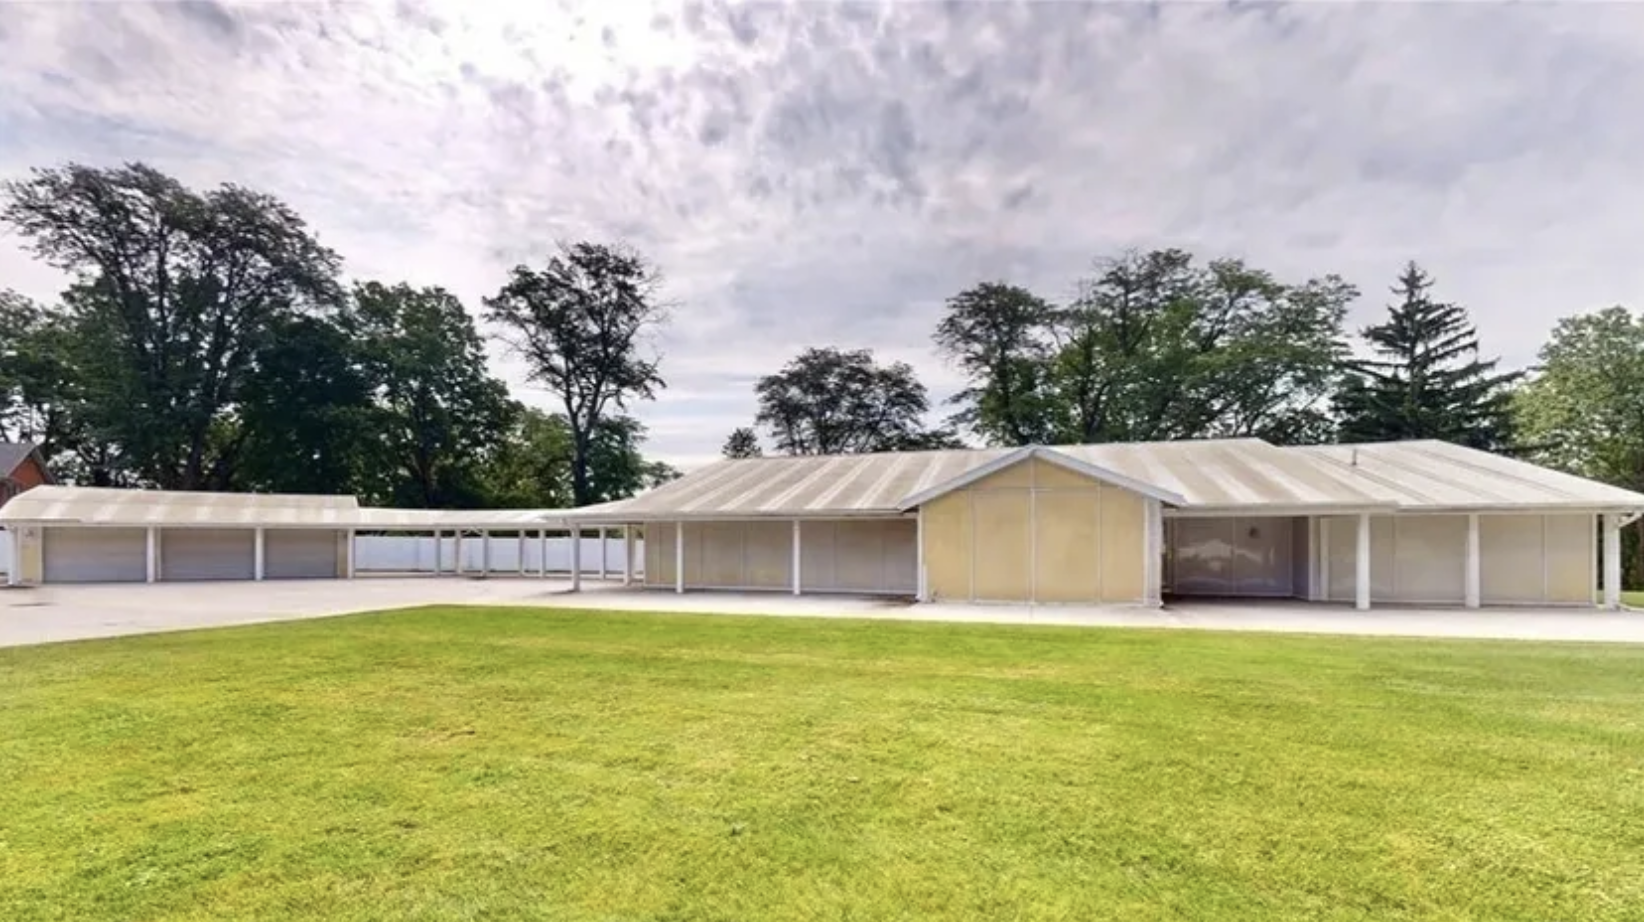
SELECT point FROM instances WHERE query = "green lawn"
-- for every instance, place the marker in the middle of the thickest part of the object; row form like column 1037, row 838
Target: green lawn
column 1634, row 599
column 519, row 764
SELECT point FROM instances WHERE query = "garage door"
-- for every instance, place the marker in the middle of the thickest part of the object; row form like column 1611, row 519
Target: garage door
column 299, row 554
column 207, row 553
column 96, row 555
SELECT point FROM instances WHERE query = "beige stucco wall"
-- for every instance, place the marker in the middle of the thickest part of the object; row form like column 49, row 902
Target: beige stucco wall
column 1035, row 532
column 1523, row 559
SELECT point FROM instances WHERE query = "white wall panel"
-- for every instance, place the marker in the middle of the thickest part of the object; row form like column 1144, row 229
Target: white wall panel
column 1430, row 558
column 415, row 553
column 300, row 553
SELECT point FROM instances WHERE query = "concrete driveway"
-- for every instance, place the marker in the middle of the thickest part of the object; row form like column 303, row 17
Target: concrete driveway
column 56, row 613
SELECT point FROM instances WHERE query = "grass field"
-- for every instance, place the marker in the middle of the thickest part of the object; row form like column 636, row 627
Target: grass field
column 519, row 764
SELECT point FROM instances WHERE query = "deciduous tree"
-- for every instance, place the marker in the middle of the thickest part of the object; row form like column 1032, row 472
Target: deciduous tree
column 1582, row 409
column 831, row 401
column 181, row 289
column 999, row 336
column 580, row 323
column 438, row 415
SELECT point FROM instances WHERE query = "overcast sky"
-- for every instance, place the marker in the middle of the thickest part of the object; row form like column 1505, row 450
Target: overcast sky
column 820, row 173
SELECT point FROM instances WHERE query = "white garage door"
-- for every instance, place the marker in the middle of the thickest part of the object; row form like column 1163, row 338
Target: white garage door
column 207, row 553
column 96, row 555
column 304, row 554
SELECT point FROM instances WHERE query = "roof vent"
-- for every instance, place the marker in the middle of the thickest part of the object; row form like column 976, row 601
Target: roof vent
column 1355, row 461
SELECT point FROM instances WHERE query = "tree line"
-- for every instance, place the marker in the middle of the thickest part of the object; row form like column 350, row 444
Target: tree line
column 207, row 341
column 1155, row 346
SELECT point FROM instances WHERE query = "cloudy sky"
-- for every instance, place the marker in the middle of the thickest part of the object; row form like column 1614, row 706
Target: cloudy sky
column 824, row 173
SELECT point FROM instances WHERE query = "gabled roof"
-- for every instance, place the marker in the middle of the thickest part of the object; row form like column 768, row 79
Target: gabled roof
column 13, row 454
column 1054, row 456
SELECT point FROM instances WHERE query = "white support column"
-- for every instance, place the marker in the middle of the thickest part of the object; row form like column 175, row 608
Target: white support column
column 679, row 557
column 542, row 553
column 1361, row 581
column 456, row 551
column 348, row 553
column 521, row 561
column 796, row 556
column 258, row 554
column 14, row 567
column 151, row 554
column 1152, row 550
column 627, row 555
column 576, row 558
column 1612, row 562
column 436, row 552
column 485, row 552
column 1472, row 572
column 604, row 553
column 1324, row 559
column 921, row 590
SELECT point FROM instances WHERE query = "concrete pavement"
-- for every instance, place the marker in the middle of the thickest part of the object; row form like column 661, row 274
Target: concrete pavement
column 56, row 613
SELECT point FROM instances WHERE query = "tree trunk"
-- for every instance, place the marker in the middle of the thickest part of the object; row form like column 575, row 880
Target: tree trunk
column 1638, row 557
column 579, row 476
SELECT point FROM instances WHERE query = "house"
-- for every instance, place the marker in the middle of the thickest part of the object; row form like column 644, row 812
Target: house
column 1404, row 522
column 21, row 468
column 1118, row 524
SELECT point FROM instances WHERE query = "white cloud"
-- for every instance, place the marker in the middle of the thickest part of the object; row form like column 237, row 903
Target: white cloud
column 816, row 173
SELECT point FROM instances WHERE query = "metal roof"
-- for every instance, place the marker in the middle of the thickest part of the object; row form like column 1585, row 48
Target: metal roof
column 804, row 485
column 107, row 506
column 1203, row 476
column 1436, row 476
column 1232, row 474
column 1209, row 476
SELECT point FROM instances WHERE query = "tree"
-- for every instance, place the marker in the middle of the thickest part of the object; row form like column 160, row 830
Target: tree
column 307, row 409
column 998, row 335
column 532, row 468
column 1427, row 380
column 439, row 417
column 579, row 323
column 829, row 401
column 45, row 355
column 1155, row 347
column 1582, row 410
column 180, row 290
column 743, row 442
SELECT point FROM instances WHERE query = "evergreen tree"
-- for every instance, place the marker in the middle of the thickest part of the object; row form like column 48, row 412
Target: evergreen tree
column 1426, row 380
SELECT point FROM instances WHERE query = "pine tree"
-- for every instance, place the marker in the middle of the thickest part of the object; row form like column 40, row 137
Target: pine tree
column 1426, row 380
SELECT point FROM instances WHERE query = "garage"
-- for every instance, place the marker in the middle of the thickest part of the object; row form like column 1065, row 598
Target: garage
column 95, row 555
column 207, row 553
column 293, row 553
